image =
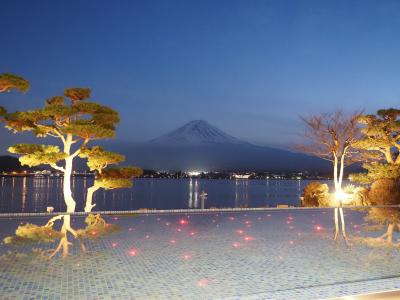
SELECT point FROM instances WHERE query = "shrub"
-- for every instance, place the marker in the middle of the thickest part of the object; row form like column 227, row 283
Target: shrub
column 315, row 194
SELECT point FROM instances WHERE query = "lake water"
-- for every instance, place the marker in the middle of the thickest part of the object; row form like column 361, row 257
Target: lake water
column 26, row 194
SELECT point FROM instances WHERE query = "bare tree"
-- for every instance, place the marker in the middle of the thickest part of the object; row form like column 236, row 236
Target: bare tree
column 330, row 137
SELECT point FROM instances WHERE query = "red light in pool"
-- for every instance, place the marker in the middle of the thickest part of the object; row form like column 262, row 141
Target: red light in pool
column 231, row 218
column 318, row 227
column 130, row 229
column 147, row 236
column 240, row 231
column 247, row 222
column 178, row 229
column 202, row 282
column 167, row 223
column 235, row 245
column 114, row 244
column 248, row 238
column 115, row 218
column 268, row 215
column 133, row 252
column 183, row 222
column 192, row 233
column 186, row 256
column 291, row 242
column 172, row 241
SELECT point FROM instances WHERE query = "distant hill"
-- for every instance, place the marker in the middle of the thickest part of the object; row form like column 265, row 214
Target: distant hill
column 199, row 145
column 10, row 163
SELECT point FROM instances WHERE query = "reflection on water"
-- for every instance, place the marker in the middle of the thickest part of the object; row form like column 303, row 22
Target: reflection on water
column 26, row 194
column 196, row 256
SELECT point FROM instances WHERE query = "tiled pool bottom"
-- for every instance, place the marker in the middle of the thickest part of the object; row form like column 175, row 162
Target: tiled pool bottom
column 277, row 254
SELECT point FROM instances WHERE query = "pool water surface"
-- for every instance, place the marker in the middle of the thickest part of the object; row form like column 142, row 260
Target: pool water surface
column 248, row 254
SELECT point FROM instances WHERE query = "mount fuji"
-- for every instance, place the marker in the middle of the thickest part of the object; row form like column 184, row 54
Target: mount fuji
column 198, row 145
column 197, row 132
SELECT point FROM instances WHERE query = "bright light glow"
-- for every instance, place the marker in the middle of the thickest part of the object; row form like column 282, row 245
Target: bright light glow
column 239, row 231
column 194, row 173
column 235, row 245
column 183, row 222
column 187, row 256
column 133, row 252
column 342, row 197
column 248, row 238
column 318, row 227
column 202, row 282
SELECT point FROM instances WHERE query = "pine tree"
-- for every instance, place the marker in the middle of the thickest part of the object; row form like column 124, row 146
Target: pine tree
column 380, row 144
column 72, row 122
column 9, row 82
column 98, row 160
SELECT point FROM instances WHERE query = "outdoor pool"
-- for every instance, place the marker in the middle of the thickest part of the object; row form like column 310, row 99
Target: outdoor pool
column 238, row 254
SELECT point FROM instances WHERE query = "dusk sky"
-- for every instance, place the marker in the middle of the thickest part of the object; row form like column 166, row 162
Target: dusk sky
column 248, row 67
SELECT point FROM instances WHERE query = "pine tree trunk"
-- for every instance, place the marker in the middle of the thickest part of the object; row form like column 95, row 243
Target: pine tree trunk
column 89, row 198
column 389, row 233
column 68, row 199
column 336, row 223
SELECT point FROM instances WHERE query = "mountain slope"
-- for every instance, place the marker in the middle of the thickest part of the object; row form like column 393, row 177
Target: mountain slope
column 196, row 132
column 201, row 146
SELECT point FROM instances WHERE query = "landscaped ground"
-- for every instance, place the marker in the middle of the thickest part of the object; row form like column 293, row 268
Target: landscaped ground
column 269, row 254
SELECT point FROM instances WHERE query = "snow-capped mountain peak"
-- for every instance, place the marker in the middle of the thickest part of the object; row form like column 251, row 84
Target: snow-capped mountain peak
column 197, row 132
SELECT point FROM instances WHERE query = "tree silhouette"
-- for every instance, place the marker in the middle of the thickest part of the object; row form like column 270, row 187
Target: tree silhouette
column 331, row 137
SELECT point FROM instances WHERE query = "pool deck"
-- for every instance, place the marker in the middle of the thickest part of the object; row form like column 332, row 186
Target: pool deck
column 225, row 254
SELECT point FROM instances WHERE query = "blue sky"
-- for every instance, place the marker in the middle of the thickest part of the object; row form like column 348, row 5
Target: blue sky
column 248, row 67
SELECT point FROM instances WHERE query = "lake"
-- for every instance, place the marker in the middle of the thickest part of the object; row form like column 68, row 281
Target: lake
column 29, row 194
